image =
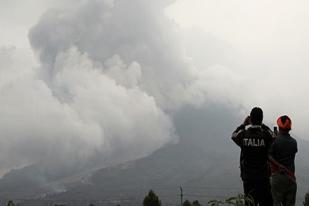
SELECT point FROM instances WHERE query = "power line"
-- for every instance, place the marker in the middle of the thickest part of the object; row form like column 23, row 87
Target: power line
column 181, row 196
column 74, row 200
column 210, row 187
column 205, row 196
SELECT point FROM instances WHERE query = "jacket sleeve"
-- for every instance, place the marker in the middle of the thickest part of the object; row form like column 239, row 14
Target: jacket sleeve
column 238, row 134
column 272, row 150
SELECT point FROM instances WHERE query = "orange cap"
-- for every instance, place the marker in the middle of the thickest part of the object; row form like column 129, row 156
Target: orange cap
column 284, row 122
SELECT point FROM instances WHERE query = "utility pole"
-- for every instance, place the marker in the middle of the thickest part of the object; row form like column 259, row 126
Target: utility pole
column 181, row 196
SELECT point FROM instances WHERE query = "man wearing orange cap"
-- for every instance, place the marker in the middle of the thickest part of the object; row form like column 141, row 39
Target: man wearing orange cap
column 282, row 158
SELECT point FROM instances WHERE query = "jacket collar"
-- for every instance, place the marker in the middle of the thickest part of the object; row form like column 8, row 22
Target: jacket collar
column 255, row 126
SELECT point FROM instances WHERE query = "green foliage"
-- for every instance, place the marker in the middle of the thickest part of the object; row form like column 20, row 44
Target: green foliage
column 238, row 200
column 215, row 203
column 186, row 203
column 151, row 199
column 10, row 203
column 196, row 203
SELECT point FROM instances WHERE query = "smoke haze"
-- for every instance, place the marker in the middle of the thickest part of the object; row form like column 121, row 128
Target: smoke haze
column 265, row 42
column 110, row 75
column 108, row 80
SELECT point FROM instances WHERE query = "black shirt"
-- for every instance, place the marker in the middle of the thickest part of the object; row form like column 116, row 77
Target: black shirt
column 255, row 143
column 283, row 150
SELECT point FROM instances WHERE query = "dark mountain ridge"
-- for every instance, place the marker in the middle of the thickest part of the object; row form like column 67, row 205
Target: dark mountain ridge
column 204, row 162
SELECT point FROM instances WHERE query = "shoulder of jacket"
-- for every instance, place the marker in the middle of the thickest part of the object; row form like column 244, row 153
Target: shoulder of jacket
column 294, row 140
column 239, row 133
column 266, row 129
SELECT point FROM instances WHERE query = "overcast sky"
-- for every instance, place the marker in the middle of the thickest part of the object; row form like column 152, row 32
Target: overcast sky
column 266, row 42
column 106, row 76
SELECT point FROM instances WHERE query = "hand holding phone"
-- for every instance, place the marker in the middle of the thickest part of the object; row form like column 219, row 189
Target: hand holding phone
column 247, row 121
column 275, row 131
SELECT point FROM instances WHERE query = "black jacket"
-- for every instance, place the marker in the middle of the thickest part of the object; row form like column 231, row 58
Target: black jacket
column 255, row 143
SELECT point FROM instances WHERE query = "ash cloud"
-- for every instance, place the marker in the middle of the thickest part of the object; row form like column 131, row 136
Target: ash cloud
column 136, row 31
column 111, row 75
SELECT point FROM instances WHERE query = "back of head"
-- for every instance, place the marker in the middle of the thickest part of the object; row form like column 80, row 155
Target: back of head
column 256, row 116
column 284, row 123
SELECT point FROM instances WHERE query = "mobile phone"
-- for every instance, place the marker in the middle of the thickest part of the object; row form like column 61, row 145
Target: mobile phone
column 276, row 130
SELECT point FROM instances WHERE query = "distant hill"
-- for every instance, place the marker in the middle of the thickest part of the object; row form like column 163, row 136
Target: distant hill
column 204, row 164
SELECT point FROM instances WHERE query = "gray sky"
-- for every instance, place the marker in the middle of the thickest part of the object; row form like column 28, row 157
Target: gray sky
column 265, row 42
column 105, row 77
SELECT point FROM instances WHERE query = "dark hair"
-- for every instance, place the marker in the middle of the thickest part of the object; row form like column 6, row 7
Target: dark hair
column 256, row 116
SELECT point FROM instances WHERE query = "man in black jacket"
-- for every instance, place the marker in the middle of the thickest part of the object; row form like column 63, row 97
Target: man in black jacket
column 255, row 142
column 282, row 156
